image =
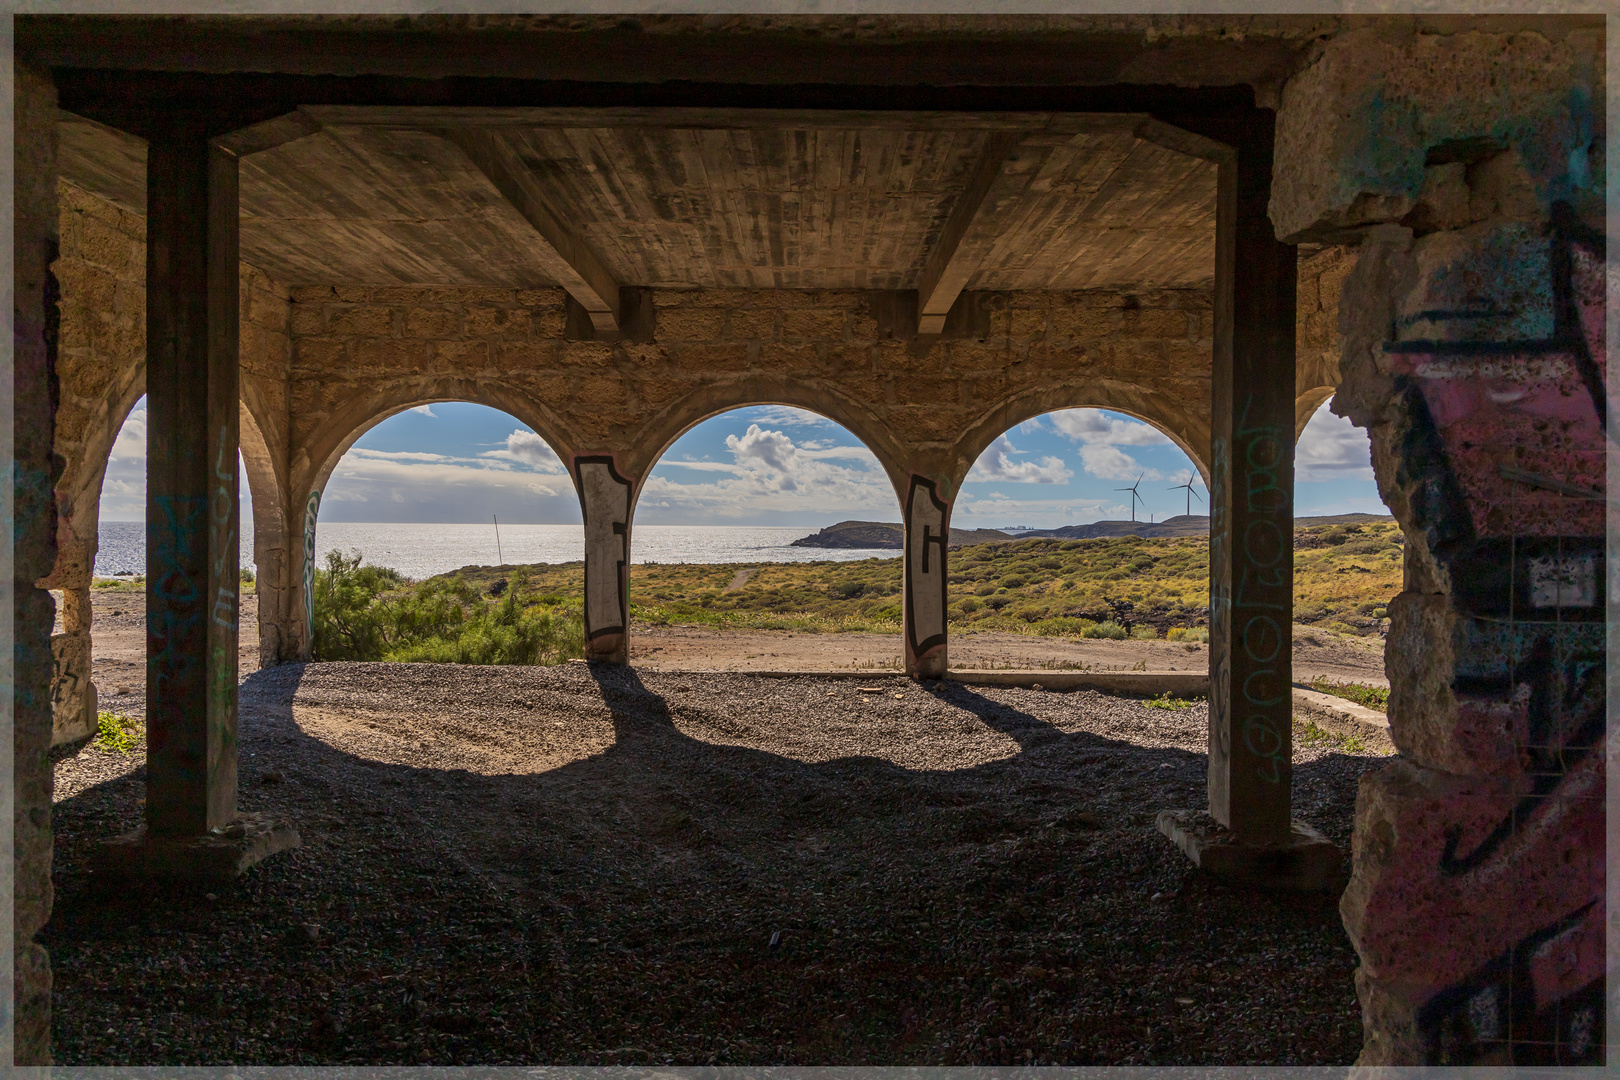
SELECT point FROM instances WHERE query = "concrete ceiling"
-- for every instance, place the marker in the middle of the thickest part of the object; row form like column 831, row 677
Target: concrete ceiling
column 676, row 198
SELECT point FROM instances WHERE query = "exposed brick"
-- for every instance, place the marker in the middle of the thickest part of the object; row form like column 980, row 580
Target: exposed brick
column 432, row 322
column 818, row 324
column 366, row 320
column 308, row 320
column 691, row 324
column 391, row 354
column 756, row 324
column 463, row 357
column 726, row 356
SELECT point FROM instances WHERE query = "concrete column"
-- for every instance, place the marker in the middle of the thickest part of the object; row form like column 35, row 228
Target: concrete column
column 193, row 829
column 191, row 516
column 927, row 527
column 604, row 497
column 1251, row 551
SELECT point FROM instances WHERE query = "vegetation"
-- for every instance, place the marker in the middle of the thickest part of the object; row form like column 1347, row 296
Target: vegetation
column 1308, row 734
column 375, row 613
column 118, row 734
column 1109, row 587
column 1116, row 588
column 136, row 583
column 1165, row 701
column 1373, row 697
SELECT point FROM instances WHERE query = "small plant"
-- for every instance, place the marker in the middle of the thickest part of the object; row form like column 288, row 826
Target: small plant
column 1107, row 629
column 1187, row 633
column 1372, row 697
column 1144, row 633
column 1309, row 734
column 117, row 734
column 1165, row 701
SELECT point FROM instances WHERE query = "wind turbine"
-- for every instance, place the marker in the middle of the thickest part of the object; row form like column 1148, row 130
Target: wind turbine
column 1190, row 493
column 1134, row 495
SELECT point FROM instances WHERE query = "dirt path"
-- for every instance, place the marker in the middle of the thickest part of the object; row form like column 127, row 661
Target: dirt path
column 119, row 658
column 611, row 866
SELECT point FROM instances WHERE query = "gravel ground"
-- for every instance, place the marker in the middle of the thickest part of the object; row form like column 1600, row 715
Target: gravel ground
column 605, row 866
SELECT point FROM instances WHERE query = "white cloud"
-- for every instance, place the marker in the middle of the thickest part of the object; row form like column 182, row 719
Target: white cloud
column 771, row 472
column 997, row 464
column 787, row 416
column 527, row 448
column 425, row 410
column 1091, row 426
column 1332, row 448
column 1111, row 463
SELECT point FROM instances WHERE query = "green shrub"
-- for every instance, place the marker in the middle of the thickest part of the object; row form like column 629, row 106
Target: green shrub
column 118, row 734
column 1144, row 633
column 1165, row 701
column 1187, row 633
column 1014, row 581
column 1107, row 629
column 374, row 613
column 968, row 606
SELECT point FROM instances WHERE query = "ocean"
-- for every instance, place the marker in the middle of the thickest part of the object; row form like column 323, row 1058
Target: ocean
column 419, row 551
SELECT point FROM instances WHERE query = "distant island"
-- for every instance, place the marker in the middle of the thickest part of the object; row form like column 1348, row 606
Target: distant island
column 889, row 534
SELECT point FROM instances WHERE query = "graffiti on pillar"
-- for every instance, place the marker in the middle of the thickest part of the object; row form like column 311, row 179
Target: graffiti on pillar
column 172, row 621
column 1505, row 455
column 604, row 497
column 222, row 529
column 927, row 537
column 311, row 509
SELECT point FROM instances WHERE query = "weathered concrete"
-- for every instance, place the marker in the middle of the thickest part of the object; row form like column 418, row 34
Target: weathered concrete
column 1303, row 859
column 1378, row 104
column 192, row 500
column 1473, row 350
column 33, row 553
column 216, row 857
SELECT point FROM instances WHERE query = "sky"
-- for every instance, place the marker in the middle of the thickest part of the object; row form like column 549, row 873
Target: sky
column 774, row 465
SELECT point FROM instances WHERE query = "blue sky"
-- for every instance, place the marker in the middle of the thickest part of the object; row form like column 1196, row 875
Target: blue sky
column 773, row 465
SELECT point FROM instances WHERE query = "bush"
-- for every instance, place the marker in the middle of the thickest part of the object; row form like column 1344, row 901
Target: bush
column 375, row 613
column 1144, row 633
column 1187, row 633
column 119, row 734
column 968, row 606
column 1107, row 629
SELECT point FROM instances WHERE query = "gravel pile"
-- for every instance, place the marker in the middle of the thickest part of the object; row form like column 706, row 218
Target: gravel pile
column 599, row 866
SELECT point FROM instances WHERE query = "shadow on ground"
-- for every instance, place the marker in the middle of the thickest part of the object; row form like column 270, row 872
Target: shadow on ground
column 674, row 900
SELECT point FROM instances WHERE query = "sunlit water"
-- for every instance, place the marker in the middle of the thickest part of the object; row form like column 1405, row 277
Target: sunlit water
column 420, row 551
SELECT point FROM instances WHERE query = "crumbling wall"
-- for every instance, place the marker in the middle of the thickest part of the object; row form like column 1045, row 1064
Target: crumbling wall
column 1473, row 351
column 33, row 552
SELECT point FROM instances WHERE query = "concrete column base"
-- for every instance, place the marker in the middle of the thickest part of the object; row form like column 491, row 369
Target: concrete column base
column 1307, row 861
column 216, row 857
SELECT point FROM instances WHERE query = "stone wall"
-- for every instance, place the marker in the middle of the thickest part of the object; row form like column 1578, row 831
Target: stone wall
column 1473, row 349
column 33, row 552
column 1316, row 331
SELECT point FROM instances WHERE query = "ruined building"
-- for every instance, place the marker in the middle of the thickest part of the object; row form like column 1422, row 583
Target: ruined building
column 285, row 229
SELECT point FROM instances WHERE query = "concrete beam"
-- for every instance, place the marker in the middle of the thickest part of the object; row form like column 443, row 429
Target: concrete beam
column 564, row 255
column 967, row 235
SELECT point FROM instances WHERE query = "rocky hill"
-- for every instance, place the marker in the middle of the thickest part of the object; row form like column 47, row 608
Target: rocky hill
column 887, row 534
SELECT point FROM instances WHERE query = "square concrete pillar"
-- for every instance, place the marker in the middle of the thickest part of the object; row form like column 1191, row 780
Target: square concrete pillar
column 604, row 499
column 1251, row 553
column 927, row 537
column 192, row 826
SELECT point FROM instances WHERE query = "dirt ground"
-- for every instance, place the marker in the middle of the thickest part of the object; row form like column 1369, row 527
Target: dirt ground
column 119, row 635
column 620, row 866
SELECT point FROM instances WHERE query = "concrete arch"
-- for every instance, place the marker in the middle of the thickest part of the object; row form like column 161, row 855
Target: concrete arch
column 1188, row 430
column 1306, row 404
column 315, row 458
column 686, row 413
